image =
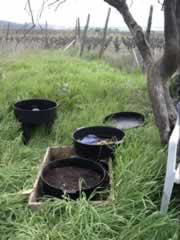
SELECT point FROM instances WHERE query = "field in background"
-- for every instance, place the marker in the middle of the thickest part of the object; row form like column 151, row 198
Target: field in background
column 119, row 48
column 86, row 91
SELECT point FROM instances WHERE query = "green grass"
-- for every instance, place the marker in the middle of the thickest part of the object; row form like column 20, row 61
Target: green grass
column 86, row 92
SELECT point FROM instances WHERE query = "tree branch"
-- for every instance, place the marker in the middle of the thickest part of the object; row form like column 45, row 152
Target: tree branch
column 28, row 8
column 42, row 8
column 57, row 3
column 134, row 28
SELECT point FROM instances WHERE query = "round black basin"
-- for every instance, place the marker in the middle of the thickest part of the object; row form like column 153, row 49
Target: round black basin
column 72, row 176
column 33, row 112
column 98, row 142
column 125, row 120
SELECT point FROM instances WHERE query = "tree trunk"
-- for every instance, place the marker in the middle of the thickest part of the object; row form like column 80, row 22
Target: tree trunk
column 159, row 72
column 162, row 105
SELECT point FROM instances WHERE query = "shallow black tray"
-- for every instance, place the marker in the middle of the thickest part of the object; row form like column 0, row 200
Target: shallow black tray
column 125, row 120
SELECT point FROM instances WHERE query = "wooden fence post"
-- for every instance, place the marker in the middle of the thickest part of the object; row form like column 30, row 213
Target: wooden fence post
column 148, row 30
column 78, row 30
column 46, row 35
column 104, row 34
column 83, row 41
column 7, row 32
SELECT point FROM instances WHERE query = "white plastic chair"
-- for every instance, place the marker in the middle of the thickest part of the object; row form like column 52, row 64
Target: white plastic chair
column 172, row 169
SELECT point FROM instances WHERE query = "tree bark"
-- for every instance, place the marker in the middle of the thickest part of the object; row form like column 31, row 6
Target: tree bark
column 169, row 61
column 178, row 27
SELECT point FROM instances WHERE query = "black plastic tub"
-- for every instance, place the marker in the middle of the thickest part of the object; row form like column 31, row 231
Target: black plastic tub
column 94, row 151
column 34, row 112
column 63, row 177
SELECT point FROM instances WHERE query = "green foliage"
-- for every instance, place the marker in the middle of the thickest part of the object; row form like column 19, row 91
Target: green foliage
column 86, row 92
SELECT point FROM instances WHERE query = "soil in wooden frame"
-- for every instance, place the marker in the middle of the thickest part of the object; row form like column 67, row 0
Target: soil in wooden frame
column 71, row 178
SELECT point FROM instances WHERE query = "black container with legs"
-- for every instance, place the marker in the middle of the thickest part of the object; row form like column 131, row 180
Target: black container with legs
column 34, row 112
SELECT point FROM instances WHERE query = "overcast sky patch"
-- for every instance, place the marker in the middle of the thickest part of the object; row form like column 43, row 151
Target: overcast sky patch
column 67, row 14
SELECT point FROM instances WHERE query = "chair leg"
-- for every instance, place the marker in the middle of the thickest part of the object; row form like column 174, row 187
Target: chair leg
column 167, row 192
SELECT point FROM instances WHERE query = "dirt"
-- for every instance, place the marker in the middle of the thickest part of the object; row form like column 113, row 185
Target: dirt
column 72, row 177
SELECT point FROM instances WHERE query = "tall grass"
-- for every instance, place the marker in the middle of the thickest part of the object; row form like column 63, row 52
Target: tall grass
column 86, row 92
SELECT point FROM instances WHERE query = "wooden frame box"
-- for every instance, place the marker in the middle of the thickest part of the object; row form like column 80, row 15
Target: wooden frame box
column 53, row 153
